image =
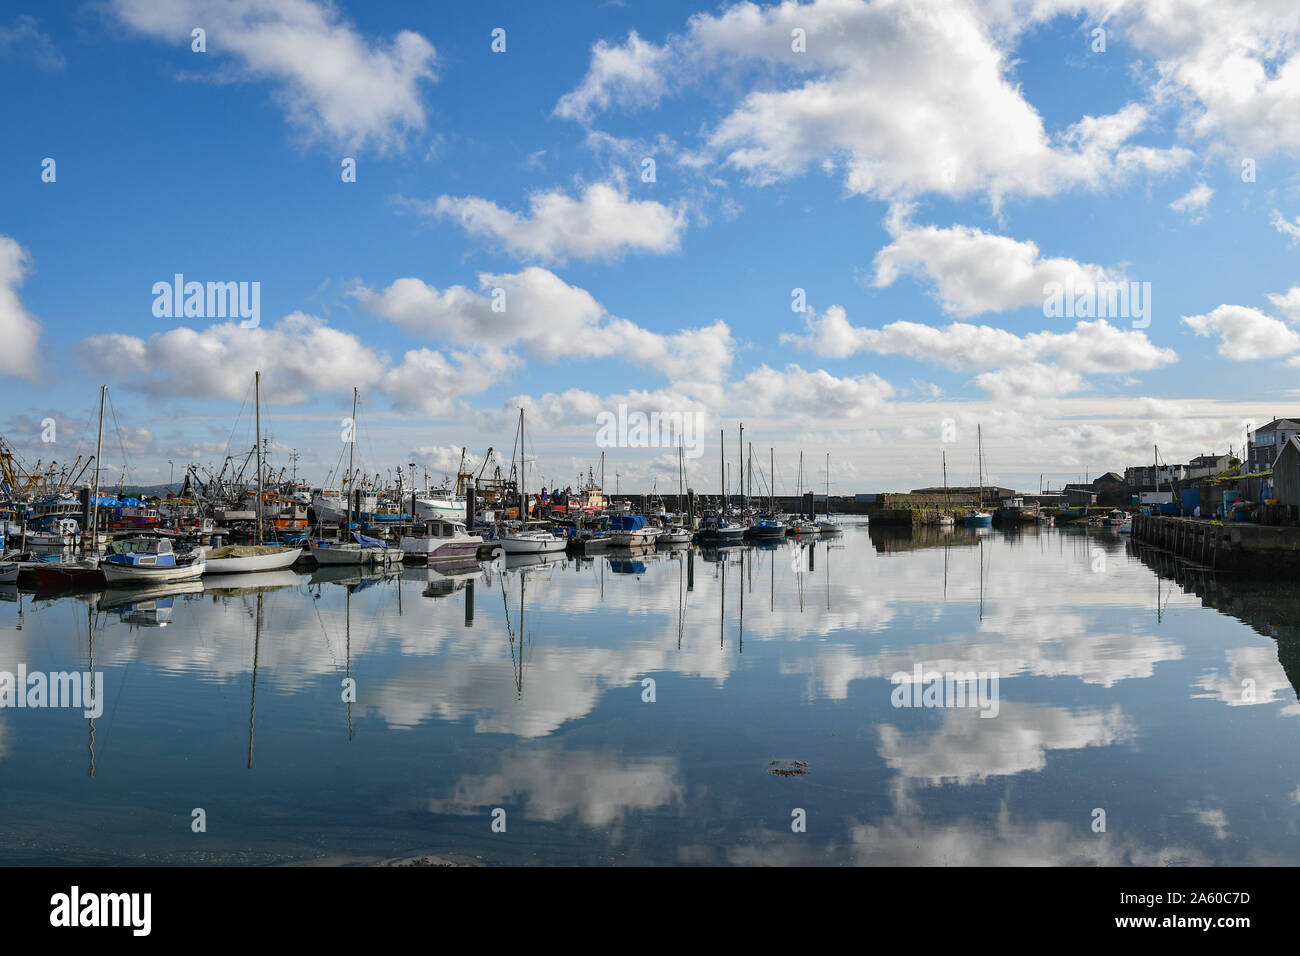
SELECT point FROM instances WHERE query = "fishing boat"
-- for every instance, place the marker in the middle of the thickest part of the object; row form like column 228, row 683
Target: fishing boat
column 1015, row 511
column 443, row 540
column 56, row 573
column 440, row 503
column 9, row 568
column 150, row 560
column 53, row 514
column 1117, row 521
column 132, row 514
column 632, row 531
column 58, row 533
column 330, row 506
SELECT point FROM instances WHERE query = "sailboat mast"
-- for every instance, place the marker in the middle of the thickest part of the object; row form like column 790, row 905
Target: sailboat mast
column 523, row 513
column 722, row 470
column 257, row 404
column 351, row 448
column 798, row 485
column 979, row 451
column 740, row 461
column 771, row 480
column 94, row 497
column 946, row 502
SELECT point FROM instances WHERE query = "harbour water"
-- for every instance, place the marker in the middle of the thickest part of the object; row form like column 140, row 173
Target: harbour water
column 673, row 707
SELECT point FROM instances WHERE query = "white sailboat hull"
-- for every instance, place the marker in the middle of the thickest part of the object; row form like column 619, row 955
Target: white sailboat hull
column 260, row 562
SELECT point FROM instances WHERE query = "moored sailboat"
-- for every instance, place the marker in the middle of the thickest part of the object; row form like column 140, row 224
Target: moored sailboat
column 979, row 518
column 827, row 524
column 523, row 540
column 244, row 559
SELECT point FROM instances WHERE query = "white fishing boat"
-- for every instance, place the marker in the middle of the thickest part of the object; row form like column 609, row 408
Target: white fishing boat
column 9, row 568
column 150, row 560
column 440, row 503
column 59, row 533
column 244, row 559
column 443, row 540
column 331, row 506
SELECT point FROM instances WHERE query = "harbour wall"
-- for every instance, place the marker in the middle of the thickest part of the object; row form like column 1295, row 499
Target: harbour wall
column 1230, row 546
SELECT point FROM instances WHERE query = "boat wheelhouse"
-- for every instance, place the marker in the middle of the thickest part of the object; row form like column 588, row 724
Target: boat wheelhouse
column 443, row 540
column 132, row 514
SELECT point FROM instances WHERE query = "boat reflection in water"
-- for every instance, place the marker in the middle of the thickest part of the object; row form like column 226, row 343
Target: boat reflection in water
column 631, row 710
column 148, row 606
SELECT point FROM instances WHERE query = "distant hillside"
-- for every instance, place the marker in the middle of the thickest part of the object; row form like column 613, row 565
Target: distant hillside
column 146, row 491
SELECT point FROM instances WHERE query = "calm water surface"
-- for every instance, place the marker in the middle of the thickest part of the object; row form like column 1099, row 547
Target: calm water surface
column 1162, row 695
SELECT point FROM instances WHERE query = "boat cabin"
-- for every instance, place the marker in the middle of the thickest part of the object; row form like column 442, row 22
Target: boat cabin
column 143, row 553
column 443, row 528
column 627, row 522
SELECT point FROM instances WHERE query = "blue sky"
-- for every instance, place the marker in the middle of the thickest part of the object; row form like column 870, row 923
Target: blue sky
column 919, row 170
